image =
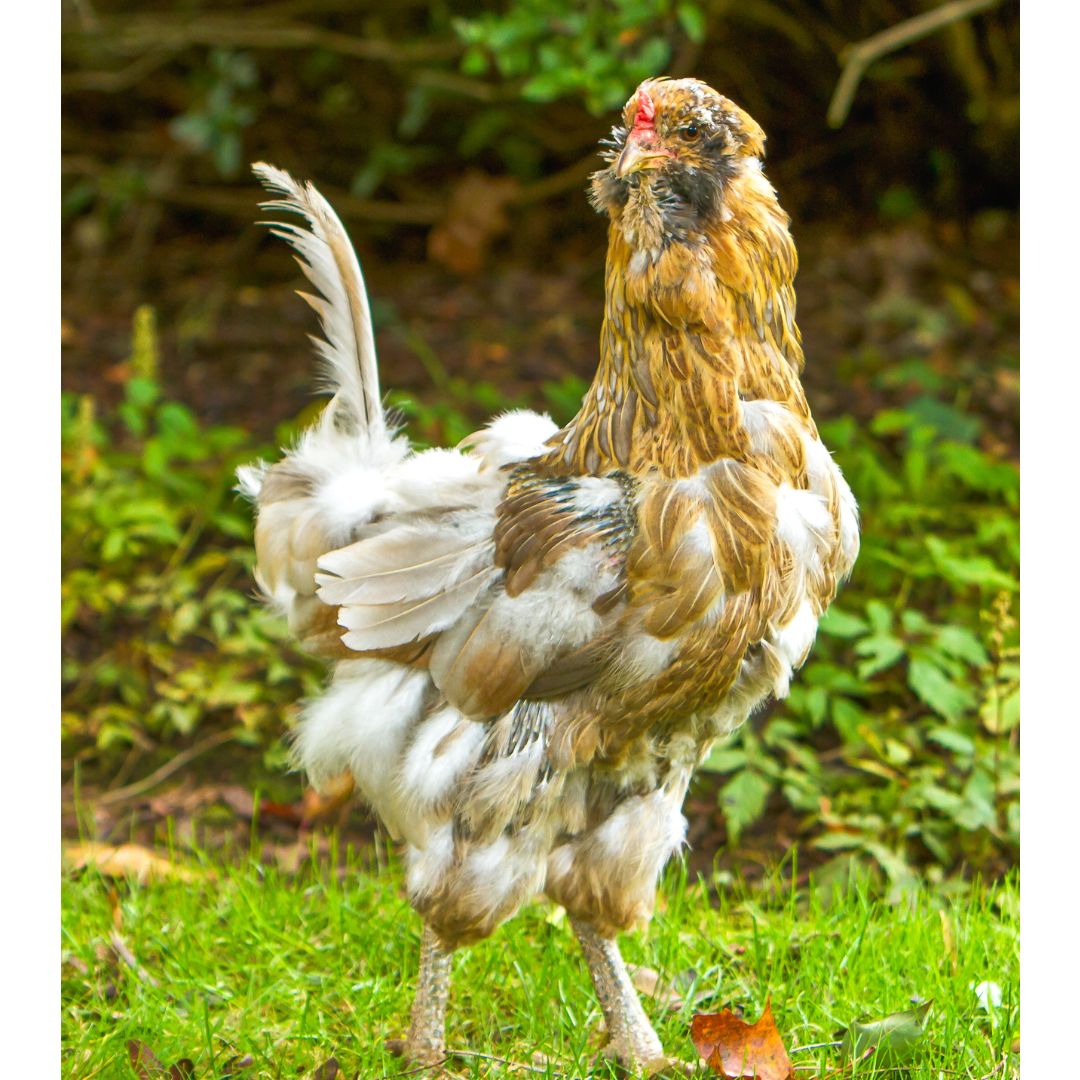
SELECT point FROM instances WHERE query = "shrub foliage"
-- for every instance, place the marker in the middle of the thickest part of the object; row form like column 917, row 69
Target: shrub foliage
column 898, row 742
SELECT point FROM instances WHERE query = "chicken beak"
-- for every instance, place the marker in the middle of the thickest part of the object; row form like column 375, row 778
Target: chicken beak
column 638, row 155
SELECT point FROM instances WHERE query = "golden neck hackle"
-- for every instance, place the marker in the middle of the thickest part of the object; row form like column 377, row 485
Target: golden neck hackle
column 687, row 336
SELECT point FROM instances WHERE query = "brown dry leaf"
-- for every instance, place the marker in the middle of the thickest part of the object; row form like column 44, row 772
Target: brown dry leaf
column 335, row 796
column 475, row 215
column 117, row 910
column 125, row 861
column 328, row 1070
column 647, row 981
column 145, row 1063
column 735, row 1049
column 286, row 812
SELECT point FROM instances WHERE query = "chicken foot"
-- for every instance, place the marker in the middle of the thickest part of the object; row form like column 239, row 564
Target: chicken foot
column 632, row 1039
column 426, row 1042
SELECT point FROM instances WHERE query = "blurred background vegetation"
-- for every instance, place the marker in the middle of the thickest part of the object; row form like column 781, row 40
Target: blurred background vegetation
column 456, row 146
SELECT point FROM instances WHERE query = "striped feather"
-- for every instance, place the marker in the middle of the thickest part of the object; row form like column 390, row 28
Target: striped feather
column 327, row 258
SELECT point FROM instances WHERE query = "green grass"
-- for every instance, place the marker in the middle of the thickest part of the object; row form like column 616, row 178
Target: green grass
column 292, row 970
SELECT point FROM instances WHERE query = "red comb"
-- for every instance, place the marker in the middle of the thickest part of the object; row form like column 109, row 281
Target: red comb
column 645, row 117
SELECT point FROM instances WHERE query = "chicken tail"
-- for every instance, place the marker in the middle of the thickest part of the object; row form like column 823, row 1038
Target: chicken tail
column 331, row 483
column 347, row 349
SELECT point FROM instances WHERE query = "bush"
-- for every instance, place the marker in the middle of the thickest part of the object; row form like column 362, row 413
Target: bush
column 162, row 635
column 899, row 740
column 900, row 736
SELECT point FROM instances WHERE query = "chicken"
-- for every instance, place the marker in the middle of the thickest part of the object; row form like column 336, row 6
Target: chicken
column 540, row 634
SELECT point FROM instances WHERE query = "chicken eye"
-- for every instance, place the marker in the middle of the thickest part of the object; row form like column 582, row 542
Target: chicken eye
column 690, row 132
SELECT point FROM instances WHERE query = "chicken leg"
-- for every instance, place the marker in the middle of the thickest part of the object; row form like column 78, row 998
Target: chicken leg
column 632, row 1038
column 426, row 1042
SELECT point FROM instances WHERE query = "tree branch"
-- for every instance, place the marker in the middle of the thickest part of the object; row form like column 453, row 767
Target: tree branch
column 857, row 58
column 136, row 34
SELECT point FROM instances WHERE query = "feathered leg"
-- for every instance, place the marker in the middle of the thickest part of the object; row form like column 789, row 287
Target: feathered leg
column 632, row 1038
column 426, row 1042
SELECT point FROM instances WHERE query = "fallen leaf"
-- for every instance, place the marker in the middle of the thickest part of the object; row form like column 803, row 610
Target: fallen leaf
column 893, row 1038
column 280, row 811
column 988, row 995
column 319, row 806
column 146, row 1064
column 76, row 963
column 646, row 980
column 117, row 910
column 672, row 995
column 327, row 1070
column 736, row 1049
column 184, row 1069
column 123, row 950
column 125, row 861
column 475, row 215
column 238, row 799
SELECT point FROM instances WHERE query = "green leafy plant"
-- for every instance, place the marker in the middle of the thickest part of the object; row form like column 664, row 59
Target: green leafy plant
column 900, row 733
column 162, row 634
column 215, row 122
column 598, row 52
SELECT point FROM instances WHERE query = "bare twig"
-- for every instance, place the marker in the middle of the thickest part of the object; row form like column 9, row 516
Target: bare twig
column 573, row 176
column 454, row 83
column 857, row 58
column 87, row 15
column 185, row 757
column 478, row 1056
column 239, row 203
column 120, row 947
column 134, row 35
column 419, row 1069
column 997, row 1068
column 113, row 82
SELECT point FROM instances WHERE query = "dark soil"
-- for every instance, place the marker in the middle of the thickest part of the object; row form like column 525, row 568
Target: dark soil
column 234, row 345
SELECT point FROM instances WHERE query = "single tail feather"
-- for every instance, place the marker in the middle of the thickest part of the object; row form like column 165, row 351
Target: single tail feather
column 327, row 259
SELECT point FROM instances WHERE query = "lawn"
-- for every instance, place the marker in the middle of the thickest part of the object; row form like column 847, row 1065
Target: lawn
column 236, row 961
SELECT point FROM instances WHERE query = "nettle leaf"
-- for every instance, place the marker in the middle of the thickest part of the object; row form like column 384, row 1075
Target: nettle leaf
column 724, row 759
column 892, row 1040
column 838, row 841
column 882, row 651
column 952, row 739
column 880, row 616
column 848, row 718
column 936, row 689
column 961, row 643
column 978, row 810
column 834, row 679
column 968, row 570
column 743, row 800
column 839, row 623
column 979, row 471
column 946, row 420
column 692, row 20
